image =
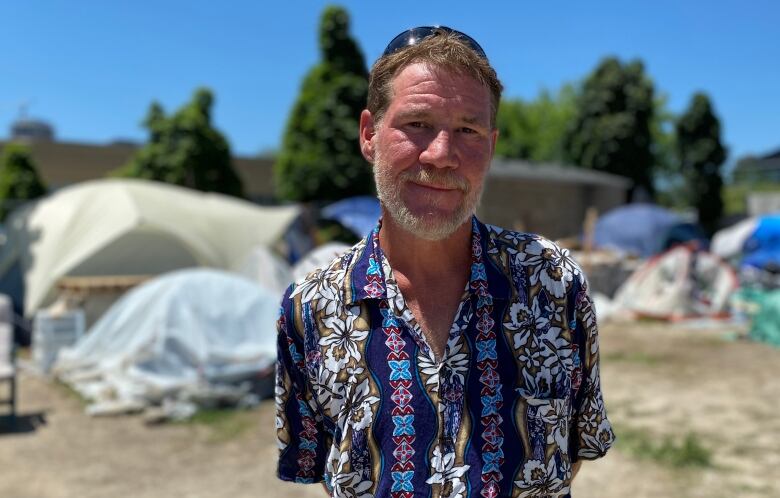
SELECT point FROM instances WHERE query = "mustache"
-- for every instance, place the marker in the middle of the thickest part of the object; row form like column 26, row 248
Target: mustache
column 435, row 178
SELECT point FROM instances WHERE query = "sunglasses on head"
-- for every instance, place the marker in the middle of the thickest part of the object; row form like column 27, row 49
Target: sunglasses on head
column 413, row 36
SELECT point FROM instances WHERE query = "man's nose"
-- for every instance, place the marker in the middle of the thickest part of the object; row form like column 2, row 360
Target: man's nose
column 440, row 151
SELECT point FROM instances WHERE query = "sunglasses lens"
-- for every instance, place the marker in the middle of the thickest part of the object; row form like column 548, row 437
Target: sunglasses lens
column 416, row 35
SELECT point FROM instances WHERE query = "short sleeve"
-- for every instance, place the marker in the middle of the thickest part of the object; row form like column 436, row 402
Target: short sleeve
column 591, row 431
column 298, row 422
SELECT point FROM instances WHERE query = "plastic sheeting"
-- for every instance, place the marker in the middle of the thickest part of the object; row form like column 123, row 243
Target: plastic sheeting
column 359, row 214
column 183, row 336
column 762, row 248
column 765, row 313
column 729, row 242
column 678, row 284
column 132, row 227
column 635, row 228
column 267, row 269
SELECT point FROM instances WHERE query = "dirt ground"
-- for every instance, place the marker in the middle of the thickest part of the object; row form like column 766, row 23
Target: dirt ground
column 695, row 411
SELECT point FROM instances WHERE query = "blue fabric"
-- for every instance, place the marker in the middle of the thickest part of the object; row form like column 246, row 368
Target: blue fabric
column 763, row 246
column 358, row 214
column 637, row 228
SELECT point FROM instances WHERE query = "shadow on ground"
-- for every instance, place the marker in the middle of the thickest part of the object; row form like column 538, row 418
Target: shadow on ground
column 21, row 424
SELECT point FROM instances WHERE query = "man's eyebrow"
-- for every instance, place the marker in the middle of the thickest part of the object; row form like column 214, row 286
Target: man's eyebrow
column 419, row 112
column 473, row 120
column 422, row 112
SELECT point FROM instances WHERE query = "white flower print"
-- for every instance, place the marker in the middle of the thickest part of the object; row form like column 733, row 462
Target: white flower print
column 342, row 341
column 445, row 472
column 555, row 415
column 457, row 361
column 331, row 394
column 539, row 479
column 520, row 317
column 349, row 484
column 597, row 444
column 553, row 312
column 310, row 287
column 552, row 266
column 429, row 367
column 362, row 414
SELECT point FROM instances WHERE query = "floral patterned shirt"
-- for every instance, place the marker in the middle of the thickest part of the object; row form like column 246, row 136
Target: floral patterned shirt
column 363, row 405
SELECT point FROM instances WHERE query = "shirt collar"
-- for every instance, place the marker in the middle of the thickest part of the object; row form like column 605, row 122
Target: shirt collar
column 366, row 279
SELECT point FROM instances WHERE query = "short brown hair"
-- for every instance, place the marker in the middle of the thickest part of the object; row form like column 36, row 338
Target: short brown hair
column 445, row 50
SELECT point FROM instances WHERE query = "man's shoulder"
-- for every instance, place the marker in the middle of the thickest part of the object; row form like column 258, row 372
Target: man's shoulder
column 327, row 281
column 534, row 252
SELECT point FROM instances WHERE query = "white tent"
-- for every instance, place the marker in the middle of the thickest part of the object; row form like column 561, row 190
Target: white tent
column 729, row 242
column 177, row 337
column 678, row 284
column 132, row 227
column 266, row 268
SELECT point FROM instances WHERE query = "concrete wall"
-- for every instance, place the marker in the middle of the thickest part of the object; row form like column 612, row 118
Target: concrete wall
column 547, row 207
column 63, row 163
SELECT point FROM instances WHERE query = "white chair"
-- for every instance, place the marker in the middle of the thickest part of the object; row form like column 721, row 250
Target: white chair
column 8, row 366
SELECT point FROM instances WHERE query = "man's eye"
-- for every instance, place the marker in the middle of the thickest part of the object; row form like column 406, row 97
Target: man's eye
column 417, row 124
column 468, row 130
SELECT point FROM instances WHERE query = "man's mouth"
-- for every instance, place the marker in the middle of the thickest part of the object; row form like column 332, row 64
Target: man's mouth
column 442, row 188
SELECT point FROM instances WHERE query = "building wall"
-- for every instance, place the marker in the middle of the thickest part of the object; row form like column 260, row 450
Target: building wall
column 62, row 163
column 550, row 208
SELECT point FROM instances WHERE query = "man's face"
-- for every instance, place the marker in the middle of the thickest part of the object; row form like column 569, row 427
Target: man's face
column 431, row 150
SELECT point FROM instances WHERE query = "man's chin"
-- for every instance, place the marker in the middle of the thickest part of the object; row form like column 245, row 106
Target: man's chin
column 431, row 226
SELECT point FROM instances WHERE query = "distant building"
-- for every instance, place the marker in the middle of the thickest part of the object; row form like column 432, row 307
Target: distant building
column 64, row 163
column 31, row 130
column 758, row 169
column 543, row 198
column 548, row 199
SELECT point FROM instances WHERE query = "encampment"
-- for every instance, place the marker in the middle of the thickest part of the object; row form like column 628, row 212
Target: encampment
column 131, row 227
column 643, row 230
column 359, row 214
column 188, row 336
column 678, row 284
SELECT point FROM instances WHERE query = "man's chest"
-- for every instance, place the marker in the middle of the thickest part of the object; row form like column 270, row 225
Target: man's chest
column 378, row 351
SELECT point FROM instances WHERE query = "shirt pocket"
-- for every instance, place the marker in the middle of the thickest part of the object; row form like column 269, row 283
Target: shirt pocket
column 546, row 467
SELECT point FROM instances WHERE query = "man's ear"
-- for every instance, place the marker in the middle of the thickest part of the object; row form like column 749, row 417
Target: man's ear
column 367, row 134
column 493, row 140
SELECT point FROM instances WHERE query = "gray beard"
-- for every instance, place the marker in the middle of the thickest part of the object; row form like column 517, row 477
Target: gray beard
column 427, row 226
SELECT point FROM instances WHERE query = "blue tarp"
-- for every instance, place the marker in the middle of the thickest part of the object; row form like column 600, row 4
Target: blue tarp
column 638, row 228
column 762, row 248
column 358, row 214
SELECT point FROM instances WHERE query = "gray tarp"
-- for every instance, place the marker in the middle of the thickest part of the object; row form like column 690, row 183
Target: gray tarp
column 180, row 336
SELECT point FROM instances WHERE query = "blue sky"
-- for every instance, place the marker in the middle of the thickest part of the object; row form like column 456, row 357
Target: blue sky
column 92, row 68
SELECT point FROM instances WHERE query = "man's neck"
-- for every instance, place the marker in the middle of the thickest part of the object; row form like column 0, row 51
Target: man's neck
column 420, row 258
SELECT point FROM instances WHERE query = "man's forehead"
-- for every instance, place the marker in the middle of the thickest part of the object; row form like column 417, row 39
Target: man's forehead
column 416, row 81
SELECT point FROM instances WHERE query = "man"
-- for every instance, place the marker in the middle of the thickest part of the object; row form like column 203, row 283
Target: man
column 439, row 356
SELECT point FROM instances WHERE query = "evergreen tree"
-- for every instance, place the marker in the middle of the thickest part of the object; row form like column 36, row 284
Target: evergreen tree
column 19, row 180
column 185, row 149
column 320, row 158
column 612, row 130
column 534, row 129
column 701, row 155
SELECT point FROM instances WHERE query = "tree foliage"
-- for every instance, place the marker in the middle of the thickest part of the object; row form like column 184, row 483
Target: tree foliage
column 19, row 180
column 534, row 130
column 701, row 155
column 320, row 158
column 185, row 149
column 612, row 129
